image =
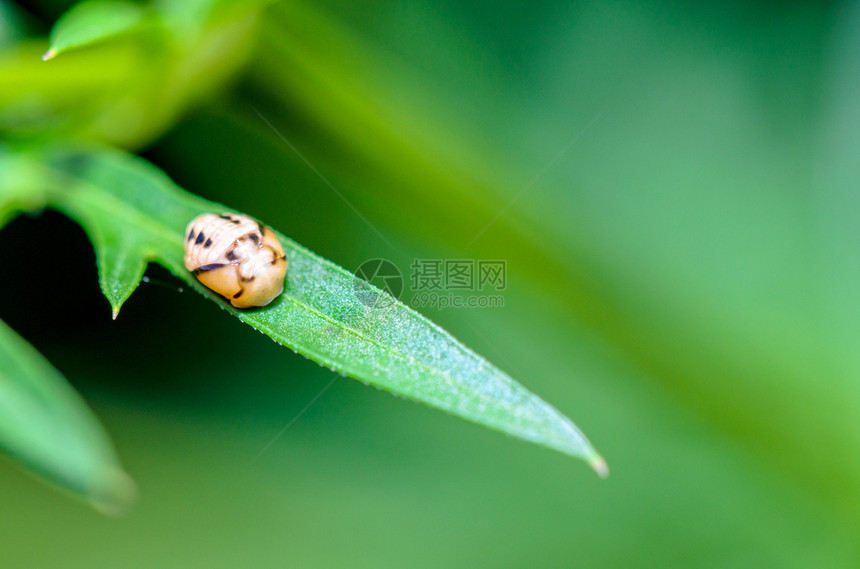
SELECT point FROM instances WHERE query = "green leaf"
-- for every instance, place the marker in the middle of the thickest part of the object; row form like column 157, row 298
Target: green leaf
column 46, row 425
column 135, row 214
column 91, row 22
column 187, row 18
column 19, row 186
column 13, row 24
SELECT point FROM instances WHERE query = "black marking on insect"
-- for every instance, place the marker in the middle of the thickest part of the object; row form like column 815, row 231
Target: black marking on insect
column 207, row 268
column 208, row 243
column 200, row 238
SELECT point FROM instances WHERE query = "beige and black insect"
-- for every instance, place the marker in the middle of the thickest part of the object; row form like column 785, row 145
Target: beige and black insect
column 237, row 257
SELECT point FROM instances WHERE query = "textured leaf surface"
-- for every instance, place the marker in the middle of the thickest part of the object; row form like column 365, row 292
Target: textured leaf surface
column 135, row 214
column 91, row 22
column 46, row 425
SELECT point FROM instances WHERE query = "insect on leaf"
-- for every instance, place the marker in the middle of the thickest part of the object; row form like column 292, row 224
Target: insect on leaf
column 134, row 214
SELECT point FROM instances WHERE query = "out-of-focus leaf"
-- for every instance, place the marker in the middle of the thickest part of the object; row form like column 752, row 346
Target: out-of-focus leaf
column 837, row 199
column 45, row 425
column 18, row 187
column 91, row 22
column 135, row 214
column 15, row 194
column 189, row 17
column 12, row 25
column 161, row 60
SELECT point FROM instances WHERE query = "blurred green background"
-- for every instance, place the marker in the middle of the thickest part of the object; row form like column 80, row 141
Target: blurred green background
column 675, row 188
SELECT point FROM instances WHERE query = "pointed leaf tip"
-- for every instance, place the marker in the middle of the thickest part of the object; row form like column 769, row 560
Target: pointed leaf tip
column 119, row 495
column 599, row 466
column 93, row 21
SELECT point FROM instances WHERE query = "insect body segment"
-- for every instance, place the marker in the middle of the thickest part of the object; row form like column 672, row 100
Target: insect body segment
column 236, row 257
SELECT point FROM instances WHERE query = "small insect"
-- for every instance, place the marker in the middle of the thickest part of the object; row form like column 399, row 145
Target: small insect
column 237, row 257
